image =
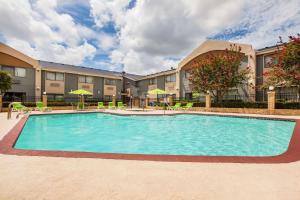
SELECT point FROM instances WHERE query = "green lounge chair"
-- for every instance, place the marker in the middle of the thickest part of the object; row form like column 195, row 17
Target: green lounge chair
column 176, row 107
column 121, row 105
column 111, row 105
column 17, row 106
column 40, row 107
column 188, row 106
column 100, row 105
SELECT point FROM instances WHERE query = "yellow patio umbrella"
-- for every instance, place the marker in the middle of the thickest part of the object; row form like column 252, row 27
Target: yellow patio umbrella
column 81, row 92
column 157, row 92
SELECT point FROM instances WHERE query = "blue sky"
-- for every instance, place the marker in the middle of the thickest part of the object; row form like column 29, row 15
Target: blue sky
column 139, row 36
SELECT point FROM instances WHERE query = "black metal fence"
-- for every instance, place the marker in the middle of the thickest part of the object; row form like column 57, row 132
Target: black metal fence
column 57, row 100
column 283, row 100
column 259, row 97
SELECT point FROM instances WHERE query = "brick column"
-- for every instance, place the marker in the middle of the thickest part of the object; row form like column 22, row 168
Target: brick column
column 207, row 102
column 114, row 100
column 45, row 100
column 1, row 102
column 271, row 102
column 170, row 100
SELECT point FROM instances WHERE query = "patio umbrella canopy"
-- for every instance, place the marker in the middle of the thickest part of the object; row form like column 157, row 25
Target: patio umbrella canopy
column 81, row 92
column 157, row 92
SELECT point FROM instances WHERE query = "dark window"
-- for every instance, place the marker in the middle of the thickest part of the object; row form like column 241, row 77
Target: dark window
column 171, row 78
column 55, row 76
column 85, row 79
column 152, row 81
column 110, row 82
column 270, row 60
column 20, row 72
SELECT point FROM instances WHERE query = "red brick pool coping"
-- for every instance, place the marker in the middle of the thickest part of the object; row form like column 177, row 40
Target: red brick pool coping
column 291, row 155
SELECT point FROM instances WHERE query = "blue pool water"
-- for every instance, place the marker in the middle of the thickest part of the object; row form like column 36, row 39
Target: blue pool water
column 169, row 135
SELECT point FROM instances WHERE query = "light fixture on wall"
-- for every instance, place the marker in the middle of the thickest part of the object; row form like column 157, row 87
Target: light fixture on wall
column 44, row 93
column 271, row 88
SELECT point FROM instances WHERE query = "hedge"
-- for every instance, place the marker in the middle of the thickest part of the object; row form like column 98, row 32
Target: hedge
column 242, row 104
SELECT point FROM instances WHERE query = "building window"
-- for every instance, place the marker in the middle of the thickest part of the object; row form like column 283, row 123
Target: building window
column 110, row 82
column 270, row 60
column 50, row 76
column 152, row 81
column 85, row 79
column 54, row 76
column 89, row 79
column 171, row 78
column 81, row 79
column 59, row 76
column 20, row 72
column 186, row 75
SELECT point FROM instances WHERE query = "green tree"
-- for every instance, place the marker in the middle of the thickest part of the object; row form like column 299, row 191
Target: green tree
column 285, row 65
column 218, row 72
column 5, row 82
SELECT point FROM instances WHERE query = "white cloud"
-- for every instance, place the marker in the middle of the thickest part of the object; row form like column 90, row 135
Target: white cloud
column 268, row 20
column 152, row 32
column 37, row 29
column 151, row 36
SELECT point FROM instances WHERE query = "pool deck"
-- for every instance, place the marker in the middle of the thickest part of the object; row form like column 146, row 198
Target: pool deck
column 34, row 177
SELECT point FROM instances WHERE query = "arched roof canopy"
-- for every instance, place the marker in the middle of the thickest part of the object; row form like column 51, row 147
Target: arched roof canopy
column 205, row 55
column 10, row 56
column 214, row 46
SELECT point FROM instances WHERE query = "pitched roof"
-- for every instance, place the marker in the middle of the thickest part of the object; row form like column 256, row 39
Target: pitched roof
column 133, row 77
column 78, row 69
column 165, row 72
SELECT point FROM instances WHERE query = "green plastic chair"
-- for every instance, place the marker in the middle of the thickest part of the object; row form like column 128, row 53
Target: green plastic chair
column 17, row 106
column 188, row 106
column 100, row 105
column 111, row 105
column 121, row 105
column 40, row 107
column 176, row 107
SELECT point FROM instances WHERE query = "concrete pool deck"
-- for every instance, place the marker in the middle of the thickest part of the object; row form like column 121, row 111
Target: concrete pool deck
column 33, row 177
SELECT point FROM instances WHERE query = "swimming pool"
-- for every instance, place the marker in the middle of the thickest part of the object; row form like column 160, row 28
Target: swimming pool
column 196, row 135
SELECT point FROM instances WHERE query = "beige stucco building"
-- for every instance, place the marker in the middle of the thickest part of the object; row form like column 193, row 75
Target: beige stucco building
column 32, row 77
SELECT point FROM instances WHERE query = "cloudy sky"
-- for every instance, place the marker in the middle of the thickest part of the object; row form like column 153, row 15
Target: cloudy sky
column 139, row 36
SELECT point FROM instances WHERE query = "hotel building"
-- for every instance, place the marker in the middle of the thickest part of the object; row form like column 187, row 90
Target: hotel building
column 32, row 78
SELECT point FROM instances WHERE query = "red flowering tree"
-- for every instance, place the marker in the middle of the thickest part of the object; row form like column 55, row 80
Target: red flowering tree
column 285, row 65
column 218, row 72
